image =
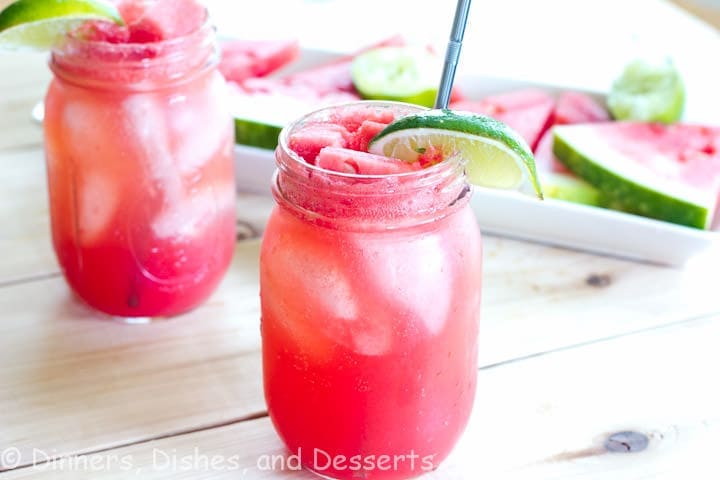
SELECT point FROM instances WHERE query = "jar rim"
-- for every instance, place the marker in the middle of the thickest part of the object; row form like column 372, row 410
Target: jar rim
column 136, row 66
column 205, row 26
column 366, row 202
column 432, row 171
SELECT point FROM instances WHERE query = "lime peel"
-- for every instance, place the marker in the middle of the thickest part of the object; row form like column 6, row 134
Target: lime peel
column 403, row 74
column 39, row 24
column 648, row 91
column 495, row 155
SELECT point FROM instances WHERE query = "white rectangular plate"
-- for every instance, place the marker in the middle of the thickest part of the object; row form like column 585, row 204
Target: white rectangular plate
column 511, row 214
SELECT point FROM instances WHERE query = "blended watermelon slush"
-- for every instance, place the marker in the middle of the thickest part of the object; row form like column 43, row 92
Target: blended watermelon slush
column 139, row 154
column 370, row 275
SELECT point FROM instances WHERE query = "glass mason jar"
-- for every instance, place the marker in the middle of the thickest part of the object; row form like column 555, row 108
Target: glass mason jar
column 138, row 143
column 370, row 293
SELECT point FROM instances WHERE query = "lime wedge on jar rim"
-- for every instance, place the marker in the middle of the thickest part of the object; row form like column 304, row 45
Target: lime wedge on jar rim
column 39, row 24
column 495, row 156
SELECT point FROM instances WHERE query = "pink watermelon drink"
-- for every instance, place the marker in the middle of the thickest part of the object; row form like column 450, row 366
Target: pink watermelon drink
column 139, row 154
column 370, row 277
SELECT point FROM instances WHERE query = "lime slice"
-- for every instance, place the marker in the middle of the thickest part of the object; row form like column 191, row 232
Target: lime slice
column 39, row 24
column 403, row 74
column 648, row 92
column 495, row 155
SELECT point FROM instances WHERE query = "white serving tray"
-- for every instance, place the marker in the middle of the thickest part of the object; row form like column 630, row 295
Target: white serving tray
column 511, row 214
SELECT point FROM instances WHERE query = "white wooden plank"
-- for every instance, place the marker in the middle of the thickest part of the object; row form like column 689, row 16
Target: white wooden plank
column 541, row 419
column 72, row 380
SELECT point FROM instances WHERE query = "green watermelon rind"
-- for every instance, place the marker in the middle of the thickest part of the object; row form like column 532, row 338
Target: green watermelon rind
column 627, row 195
column 256, row 134
column 569, row 188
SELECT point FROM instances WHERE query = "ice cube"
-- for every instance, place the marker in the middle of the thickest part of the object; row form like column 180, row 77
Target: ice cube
column 91, row 155
column 97, row 204
column 187, row 217
column 411, row 277
column 347, row 316
column 150, row 143
column 200, row 125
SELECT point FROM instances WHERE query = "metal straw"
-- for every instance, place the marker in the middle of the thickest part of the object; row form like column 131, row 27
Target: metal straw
column 452, row 54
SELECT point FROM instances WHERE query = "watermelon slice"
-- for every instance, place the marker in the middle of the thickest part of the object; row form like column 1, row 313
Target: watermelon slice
column 571, row 108
column 528, row 112
column 577, row 107
column 335, row 76
column 243, row 59
column 666, row 172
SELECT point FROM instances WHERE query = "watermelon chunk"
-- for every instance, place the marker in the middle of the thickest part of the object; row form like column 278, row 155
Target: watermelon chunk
column 242, row 59
column 528, row 112
column 161, row 19
column 351, row 161
column 667, row 172
column 310, row 140
column 101, row 31
column 361, row 138
column 353, row 117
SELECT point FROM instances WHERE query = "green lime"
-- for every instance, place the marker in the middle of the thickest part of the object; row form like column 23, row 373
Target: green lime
column 39, row 24
column 403, row 74
column 495, row 155
column 648, row 92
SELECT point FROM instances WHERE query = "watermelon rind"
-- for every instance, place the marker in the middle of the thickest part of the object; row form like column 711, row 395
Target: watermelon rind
column 569, row 188
column 632, row 195
column 256, row 134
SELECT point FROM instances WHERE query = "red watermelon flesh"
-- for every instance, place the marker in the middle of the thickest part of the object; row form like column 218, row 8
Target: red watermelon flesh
column 576, row 107
column 335, row 76
column 361, row 163
column 242, row 59
column 311, row 139
column 688, row 153
column 528, row 112
column 352, row 117
column 571, row 108
column 275, row 86
column 545, row 160
column 147, row 22
column 367, row 131
column 161, row 19
column 101, row 31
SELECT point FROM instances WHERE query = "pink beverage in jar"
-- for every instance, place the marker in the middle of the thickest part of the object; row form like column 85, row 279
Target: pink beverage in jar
column 370, row 276
column 139, row 154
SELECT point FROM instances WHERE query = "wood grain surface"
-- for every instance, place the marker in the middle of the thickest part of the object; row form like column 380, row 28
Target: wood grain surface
column 575, row 347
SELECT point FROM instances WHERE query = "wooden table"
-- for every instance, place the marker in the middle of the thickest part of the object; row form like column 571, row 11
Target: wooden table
column 575, row 348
